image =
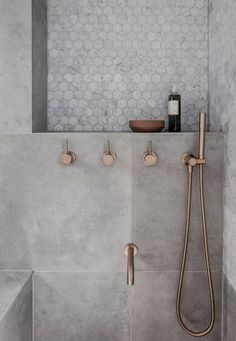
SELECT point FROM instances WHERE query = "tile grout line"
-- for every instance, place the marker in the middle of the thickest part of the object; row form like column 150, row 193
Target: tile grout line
column 222, row 306
column 33, row 296
column 131, row 315
column 108, row 272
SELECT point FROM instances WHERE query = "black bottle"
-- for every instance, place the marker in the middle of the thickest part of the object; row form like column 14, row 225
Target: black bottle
column 174, row 111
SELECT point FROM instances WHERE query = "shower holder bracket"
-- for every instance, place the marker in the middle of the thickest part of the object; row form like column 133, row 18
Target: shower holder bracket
column 190, row 160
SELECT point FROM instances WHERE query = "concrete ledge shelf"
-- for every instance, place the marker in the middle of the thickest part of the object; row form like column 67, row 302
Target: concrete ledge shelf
column 112, row 133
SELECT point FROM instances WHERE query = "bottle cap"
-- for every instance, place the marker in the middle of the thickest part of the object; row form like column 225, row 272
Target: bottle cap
column 174, row 89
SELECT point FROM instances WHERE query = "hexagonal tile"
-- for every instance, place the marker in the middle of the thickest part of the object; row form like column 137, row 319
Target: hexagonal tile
column 109, row 61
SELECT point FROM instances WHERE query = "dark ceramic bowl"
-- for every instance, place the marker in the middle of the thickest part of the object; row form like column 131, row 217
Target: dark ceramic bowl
column 147, row 126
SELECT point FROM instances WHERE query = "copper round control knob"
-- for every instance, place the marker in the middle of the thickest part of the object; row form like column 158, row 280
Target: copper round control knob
column 109, row 158
column 189, row 159
column 149, row 159
column 68, row 158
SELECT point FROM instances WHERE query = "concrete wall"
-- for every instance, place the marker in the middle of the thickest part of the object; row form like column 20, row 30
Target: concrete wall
column 222, row 116
column 15, row 66
column 223, row 107
column 229, row 311
column 71, row 224
column 111, row 61
column 23, row 66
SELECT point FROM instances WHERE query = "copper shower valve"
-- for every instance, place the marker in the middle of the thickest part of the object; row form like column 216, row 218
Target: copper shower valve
column 150, row 158
column 108, row 157
column 68, row 157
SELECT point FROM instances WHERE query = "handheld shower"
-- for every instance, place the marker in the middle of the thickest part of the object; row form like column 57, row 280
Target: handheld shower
column 191, row 161
column 202, row 124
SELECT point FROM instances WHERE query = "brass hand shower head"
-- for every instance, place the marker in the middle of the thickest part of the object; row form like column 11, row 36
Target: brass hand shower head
column 191, row 161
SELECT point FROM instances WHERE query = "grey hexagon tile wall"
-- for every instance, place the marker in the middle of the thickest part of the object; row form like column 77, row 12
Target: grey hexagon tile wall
column 114, row 60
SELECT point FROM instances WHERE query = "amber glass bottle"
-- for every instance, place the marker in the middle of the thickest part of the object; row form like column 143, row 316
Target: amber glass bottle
column 174, row 111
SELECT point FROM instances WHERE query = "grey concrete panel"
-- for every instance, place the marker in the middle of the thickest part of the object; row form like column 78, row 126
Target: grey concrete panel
column 229, row 311
column 80, row 217
column 55, row 217
column 222, row 83
column 153, row 306
column 81, row 306
column 15, row 66
column 159, row 203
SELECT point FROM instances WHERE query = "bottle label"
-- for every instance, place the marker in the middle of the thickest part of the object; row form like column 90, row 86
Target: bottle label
column 173, row 108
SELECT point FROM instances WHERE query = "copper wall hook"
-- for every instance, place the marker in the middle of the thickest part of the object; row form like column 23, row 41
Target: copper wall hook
column 150, row 158
column 68, row 157
column 108, row 157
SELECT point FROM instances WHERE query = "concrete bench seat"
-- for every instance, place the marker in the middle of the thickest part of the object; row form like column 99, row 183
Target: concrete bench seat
column 15, row 306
